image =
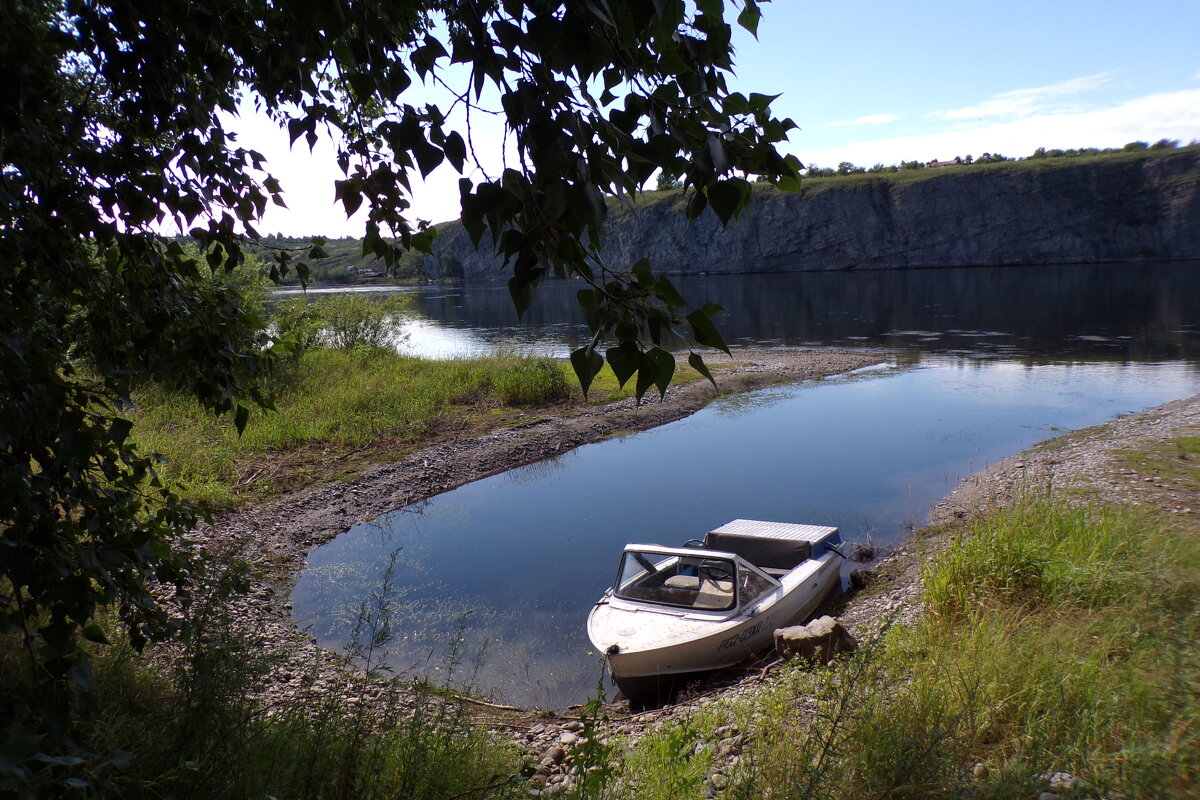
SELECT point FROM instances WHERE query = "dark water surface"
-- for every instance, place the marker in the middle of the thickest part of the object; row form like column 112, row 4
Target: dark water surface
column 983, row 363
column 1140, row 312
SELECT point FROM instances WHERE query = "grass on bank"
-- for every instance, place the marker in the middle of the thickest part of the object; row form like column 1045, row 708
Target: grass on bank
column 340, row 410
column 1175, row 463
column 1056, row 639
column 812, row 186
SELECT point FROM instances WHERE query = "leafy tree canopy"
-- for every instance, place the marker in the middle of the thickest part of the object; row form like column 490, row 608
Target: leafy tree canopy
column 113, row 128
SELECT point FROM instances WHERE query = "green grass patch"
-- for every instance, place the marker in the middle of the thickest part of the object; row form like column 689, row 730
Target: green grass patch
column 1177, row 461
column 338, row 411
column 811, row 186
column 195, row 727
column 1056, row 639
column 328, row 404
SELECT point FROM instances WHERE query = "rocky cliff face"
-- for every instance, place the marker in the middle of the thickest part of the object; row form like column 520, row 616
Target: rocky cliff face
column 1059, row 212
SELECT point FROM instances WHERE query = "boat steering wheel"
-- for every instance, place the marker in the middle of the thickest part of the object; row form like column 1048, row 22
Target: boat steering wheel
column 715, row 571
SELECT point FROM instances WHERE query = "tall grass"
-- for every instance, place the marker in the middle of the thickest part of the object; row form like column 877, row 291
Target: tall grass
column 1056, row 639
column 198, row 726
column 328, row 403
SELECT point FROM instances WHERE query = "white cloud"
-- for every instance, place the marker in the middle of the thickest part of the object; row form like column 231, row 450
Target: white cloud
column 1024, row 102
column 869, row 119
column 1170, row 115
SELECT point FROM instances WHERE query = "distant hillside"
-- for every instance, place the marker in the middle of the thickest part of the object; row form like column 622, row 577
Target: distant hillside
column 1112, row 208
column 346, row 263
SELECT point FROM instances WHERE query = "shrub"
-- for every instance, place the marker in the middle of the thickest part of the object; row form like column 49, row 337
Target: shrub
column 530, row 381
column 342, row 321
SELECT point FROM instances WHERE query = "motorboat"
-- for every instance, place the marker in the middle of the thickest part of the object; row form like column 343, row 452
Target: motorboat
column 712, row 603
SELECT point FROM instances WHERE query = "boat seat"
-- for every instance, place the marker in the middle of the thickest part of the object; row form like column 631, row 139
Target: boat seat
column 709, row 593
column 714, row 594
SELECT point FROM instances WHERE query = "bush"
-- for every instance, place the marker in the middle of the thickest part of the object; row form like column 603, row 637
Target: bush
column 342, row 321
column 1058, row 638
column 530, row 381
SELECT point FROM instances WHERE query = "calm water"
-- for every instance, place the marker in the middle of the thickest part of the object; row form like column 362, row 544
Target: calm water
column 1147, row 312
column 984, row 363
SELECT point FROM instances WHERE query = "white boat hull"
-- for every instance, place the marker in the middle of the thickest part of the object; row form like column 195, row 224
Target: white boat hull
column 644, row 644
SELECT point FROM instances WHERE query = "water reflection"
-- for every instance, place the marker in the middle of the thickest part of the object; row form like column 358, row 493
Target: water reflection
column 1144, row 312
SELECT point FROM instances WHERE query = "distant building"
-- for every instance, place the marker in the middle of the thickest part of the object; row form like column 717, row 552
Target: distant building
column 365, row 272
column 956, row 162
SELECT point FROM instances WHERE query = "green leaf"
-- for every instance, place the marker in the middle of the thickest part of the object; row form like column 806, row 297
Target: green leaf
column 697, row 363
column 624, row 360
column 788, row 184
column 727, row 199
column 647, row 376
column 240, row 417
column 57, row 761
column 705, row 332
column 456, row 150
column 665, row 290
column 587, row 364
column 94, row 633
column 642, row 273
column 521, row 290
column 428, row 157
column 665, row 364
column 656, row 367
column 750, row 17
column 118, row 430
column 762, row 102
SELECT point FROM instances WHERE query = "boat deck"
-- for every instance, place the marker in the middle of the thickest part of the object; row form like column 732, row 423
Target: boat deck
column 772, row 546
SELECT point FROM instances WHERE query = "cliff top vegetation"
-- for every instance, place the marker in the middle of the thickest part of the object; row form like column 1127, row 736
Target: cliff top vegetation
column 819, row 179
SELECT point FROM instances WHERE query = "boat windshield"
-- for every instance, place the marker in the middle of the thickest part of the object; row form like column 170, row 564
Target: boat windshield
column 699, row 582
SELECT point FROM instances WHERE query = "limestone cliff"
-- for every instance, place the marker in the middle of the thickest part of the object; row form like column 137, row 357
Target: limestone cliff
column 1050, row 212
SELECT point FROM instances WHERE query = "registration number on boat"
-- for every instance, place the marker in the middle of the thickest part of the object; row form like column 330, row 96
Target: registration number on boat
column 738, row 638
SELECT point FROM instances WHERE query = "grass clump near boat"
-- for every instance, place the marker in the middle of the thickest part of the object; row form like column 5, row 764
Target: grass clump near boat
column 1060, row 649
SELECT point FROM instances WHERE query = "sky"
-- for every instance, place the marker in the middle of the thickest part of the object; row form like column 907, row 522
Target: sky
column 875, row 81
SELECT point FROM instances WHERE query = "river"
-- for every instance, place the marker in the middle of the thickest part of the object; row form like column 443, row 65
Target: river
column 492, row 581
